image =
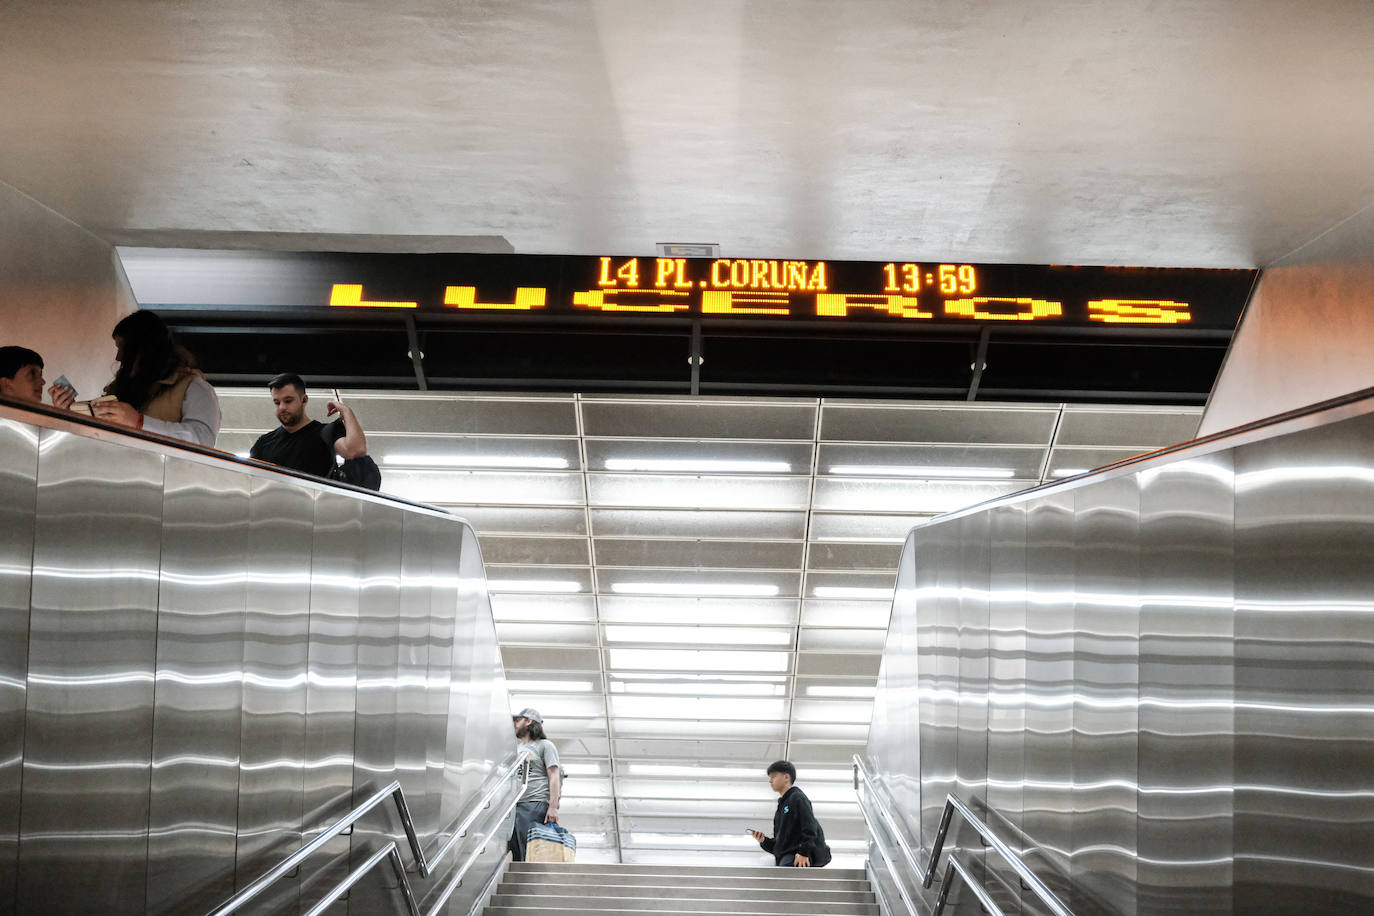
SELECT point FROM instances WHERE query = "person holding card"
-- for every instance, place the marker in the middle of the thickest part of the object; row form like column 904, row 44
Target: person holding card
column 21, row 377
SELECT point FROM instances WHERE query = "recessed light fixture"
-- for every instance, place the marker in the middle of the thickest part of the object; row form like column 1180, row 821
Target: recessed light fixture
column 896, row 470
column 697, row 589
column 698, row 465
column 548, row 586
column 1068, row 472
column 847, row 591
column 521, row 462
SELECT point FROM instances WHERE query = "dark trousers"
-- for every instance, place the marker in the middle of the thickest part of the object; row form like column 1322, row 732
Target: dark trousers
column 526, row 814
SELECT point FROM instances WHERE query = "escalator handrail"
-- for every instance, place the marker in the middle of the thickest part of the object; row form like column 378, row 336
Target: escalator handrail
column 953, row 804
column 424, row 865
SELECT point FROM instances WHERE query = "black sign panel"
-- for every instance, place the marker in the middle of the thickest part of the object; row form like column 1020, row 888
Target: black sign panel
column 904, row 294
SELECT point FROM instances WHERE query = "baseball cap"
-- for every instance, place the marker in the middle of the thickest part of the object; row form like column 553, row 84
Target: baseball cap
column 529, row 713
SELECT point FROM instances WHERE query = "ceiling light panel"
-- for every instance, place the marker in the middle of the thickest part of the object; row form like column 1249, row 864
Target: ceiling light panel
column 906, row 496
column 754, row 637
column 722, row 524
column 701, row 729
column 865, row 528
column 841, row 640
column 645, row 707
column 543, row 661
column 561, row 707
column 854, row 556
column 700, row 688
column 677, row 456
column 864, row 586
column 697, row 492
column 734, row 583
column 544, row 580
column 955, row 460
column 723, row 660
column 653, row 609
column 556, row 608
column 552, row 551
column 454, row 487
column 1141, row 429
column 495, row 453
column 821, row 612
column 857, row 732
column 938, row 425
column 683, row 418
column 467, row 415
column 496, row 520
column 699, row 553
column 1086, row 459
column 545, row 634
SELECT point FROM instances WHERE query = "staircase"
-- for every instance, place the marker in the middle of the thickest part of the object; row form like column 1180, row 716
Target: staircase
column 546, row 889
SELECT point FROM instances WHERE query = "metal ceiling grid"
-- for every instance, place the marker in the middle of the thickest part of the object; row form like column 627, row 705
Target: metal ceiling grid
column 690, row 588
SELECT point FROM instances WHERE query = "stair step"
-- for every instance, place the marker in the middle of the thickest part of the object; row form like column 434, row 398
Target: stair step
column 776, row 878
column 576, row 911
column 782, row 891
column 764, row 871
column 675, row 903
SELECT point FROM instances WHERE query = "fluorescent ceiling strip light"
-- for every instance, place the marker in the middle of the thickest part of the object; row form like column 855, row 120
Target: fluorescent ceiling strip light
column 703, row 465
column 546, row 586
column 842, row 692
column 894, row 470
column 541, row 462
column 518, row 686
column 1068, row 472
column 696, row 589
column 848, row 591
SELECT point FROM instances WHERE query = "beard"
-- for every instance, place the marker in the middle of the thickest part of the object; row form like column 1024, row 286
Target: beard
column 522, row 732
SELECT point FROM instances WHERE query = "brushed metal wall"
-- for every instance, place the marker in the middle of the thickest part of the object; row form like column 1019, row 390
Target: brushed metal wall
column 1157, row 681
column 203, row 665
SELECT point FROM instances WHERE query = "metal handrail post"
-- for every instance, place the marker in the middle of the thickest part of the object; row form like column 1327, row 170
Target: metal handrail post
column 860, row 770
column 389, row 852
column 424, row 865
column 891, row 867
column 953, row 804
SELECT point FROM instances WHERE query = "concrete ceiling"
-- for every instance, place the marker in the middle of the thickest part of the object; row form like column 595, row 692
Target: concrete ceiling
column 1166, row 133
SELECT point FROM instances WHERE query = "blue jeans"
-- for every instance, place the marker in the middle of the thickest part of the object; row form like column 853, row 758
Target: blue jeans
column 527, row 813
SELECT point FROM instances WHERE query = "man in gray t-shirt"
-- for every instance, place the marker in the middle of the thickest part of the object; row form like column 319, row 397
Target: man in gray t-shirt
column 544, row 786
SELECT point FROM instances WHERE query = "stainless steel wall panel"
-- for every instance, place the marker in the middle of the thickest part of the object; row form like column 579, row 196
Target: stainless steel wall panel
column 1007, row 682
column 203, row 666
column 195, row 739
column 1304, row 663
column 469, row 691
column 378, row 642
column 84, row 806
column 275, row 664
column 937, row 614
column 445, row 542
column 1105, row 692
column 1180, row 660
column 970, row 633
column 1187, row 687
column 18, row 499
column 331, row 688
column 412, row 677
column 1047, row 796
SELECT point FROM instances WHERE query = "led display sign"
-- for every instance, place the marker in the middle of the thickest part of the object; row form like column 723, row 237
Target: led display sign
column 911, row 293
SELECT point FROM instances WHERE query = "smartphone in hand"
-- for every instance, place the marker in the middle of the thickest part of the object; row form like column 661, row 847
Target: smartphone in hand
column 62, row 382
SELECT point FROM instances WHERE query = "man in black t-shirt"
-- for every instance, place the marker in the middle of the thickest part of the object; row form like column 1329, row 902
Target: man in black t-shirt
column 301, row 443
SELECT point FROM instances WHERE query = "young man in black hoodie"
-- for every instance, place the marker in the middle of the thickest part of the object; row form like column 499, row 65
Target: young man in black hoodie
column 797, row 840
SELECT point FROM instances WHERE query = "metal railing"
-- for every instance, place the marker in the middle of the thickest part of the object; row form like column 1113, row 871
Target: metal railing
column 955, row 868
column 424, row 865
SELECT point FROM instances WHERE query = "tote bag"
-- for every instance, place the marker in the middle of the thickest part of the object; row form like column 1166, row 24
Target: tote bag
column 550, row 843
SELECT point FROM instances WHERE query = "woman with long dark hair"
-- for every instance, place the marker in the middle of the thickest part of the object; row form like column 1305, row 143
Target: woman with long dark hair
column 157, row 387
